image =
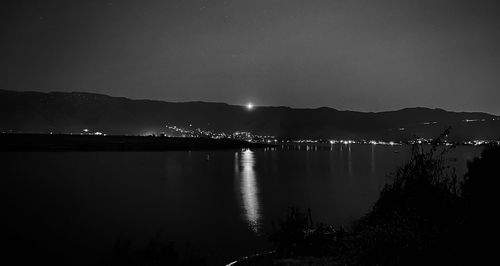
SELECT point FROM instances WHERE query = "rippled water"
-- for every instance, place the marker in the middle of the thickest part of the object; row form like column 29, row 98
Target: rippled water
column 72, row 208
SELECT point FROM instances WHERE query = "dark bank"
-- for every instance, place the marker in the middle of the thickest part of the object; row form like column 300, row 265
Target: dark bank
column 60, row 142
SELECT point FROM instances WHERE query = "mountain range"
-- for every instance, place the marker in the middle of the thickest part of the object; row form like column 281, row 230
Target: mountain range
column 65, row 112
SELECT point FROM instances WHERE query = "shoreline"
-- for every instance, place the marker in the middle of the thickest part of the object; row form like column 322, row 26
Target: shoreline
column 62, row 143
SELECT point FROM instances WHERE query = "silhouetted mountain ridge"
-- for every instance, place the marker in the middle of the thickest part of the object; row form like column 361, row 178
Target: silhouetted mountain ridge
column 71, row 112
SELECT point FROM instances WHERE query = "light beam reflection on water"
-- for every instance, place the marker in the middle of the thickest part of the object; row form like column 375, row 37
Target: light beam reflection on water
column 349, row 160
column 249, row 189
column 372, row 160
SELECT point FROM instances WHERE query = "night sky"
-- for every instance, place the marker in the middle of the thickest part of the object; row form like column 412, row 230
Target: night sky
column 359, row 55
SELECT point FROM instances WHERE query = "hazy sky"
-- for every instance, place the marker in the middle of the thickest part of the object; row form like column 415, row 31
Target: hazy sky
column 367, row 55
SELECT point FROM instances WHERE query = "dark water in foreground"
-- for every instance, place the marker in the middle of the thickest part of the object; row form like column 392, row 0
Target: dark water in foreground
column 72, row 207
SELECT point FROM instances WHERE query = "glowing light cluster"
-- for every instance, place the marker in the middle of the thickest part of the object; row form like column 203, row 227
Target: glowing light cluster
column 206, row 133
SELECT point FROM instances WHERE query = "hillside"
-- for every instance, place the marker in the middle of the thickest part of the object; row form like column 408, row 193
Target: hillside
column 36, row 112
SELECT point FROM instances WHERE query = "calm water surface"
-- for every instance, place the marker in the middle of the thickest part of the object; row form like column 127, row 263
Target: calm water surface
column 73, row 207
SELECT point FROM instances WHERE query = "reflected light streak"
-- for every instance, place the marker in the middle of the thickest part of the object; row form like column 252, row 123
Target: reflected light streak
column 349, row 161
column 236, row 163
column 249, row 190
column 373, row 160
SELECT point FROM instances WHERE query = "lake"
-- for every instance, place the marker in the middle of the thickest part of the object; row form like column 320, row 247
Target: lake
column 73, row 207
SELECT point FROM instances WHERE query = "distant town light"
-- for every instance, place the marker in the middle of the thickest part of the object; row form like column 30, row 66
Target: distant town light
column 249, row 106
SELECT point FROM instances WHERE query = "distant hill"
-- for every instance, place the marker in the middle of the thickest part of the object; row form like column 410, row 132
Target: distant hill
column 71, row 112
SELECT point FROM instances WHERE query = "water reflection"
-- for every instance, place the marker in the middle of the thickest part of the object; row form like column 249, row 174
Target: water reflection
column 249, row 190
column 349, row 160
column 372, row 161
column 236, row 163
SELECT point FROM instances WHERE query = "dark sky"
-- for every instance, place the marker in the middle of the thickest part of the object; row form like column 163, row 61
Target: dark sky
column 348, row 54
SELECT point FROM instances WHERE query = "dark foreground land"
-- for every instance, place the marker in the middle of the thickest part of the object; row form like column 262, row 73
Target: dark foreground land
column 426, row 216
column 59, row 142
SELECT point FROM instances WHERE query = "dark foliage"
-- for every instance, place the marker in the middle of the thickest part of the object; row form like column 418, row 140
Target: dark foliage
column 482, row 180
column 424, row 216
column 417, row 216
column 157, row 252
column 297, row 235
column 480, row 190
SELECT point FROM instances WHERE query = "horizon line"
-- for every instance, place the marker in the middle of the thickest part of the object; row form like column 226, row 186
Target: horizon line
column 254, row 104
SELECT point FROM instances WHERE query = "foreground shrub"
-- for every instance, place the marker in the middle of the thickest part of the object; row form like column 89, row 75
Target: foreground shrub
column 480, row 190
column 417, row 215
column 424, row 216
column 296, row 235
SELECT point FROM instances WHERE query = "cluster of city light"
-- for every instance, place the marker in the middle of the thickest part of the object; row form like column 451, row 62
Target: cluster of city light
column 192, row 133
column 304, row 141
column 475, row 120
column 248, row 136
column 205, row 133
column 345, row 142
column 87, row 131
column 342, row 141
column 180, row 131
column 393, row 143
column 372, row 142
column 467, row 120
column 420, row 141
column 479, row 142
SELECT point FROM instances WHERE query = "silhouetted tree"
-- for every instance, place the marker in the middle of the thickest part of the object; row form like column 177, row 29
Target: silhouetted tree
column 424, row 216
column 480, row 190
column 296, row 235
column 416, row 215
